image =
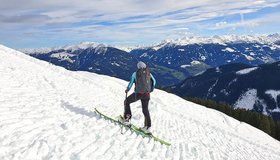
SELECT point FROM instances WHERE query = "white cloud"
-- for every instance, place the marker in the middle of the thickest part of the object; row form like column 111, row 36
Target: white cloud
column 68, row 11
column 122, row 20
column 221, row 24
column 252, row 23
column 249, row 24
column 181, row 29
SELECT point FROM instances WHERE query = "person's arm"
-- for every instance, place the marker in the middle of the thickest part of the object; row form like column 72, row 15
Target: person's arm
column 154, row 81
column 133, row 77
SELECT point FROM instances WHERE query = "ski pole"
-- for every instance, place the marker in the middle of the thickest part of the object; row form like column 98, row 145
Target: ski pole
column 125, row 99
column 124, row 110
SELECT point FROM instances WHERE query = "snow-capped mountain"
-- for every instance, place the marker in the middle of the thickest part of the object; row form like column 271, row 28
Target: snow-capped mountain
column 171, row 61
column 47, row 113
column 103, row 59
column 213, row 51
column 263, row 39
column 92, row 57
column 80, row 46
column 243, row 86
column 69, row 48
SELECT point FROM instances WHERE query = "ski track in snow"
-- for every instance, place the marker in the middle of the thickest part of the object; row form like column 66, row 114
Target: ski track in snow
column 47, row 112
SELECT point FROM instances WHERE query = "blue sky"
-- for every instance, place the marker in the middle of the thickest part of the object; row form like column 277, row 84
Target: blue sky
column 32, row 24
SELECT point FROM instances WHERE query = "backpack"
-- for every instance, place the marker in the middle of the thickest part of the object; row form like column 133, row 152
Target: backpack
column 143, row 81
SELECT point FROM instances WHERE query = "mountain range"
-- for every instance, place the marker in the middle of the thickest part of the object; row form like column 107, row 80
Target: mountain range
column 183, row 63
column 254, row 88
column 171, row 61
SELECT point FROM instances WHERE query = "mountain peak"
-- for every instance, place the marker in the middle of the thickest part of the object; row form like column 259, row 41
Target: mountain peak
column 81, row 45
column 218, row 40
column 72, row 47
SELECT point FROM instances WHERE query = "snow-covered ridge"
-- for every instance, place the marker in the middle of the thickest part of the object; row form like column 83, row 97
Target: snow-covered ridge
column 47, row 113
column 82, row 45
column 125, row 48
column 230, row 38
column 263, row 39
column 73, row 47
column 246, row 71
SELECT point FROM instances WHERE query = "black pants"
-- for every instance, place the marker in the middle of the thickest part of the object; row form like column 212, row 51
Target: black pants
column 145, row 102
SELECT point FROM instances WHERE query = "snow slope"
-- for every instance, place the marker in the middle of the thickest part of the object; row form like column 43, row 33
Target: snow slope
column 46, row 112
column 247, row 100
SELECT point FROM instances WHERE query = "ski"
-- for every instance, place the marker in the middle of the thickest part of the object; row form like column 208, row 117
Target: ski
column 133, row 128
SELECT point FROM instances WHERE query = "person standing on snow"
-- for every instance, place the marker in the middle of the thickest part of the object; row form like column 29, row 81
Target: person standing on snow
column 144, row 84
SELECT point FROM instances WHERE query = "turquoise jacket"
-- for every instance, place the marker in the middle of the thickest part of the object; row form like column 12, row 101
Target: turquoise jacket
column 133, row 77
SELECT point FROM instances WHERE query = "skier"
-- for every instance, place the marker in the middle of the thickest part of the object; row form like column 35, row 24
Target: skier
column 144, row 84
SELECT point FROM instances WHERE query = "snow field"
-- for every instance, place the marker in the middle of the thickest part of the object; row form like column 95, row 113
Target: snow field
column 47, row 112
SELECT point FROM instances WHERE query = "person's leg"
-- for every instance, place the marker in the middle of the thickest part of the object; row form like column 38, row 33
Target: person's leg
column 130, row 99
column 145, row 110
